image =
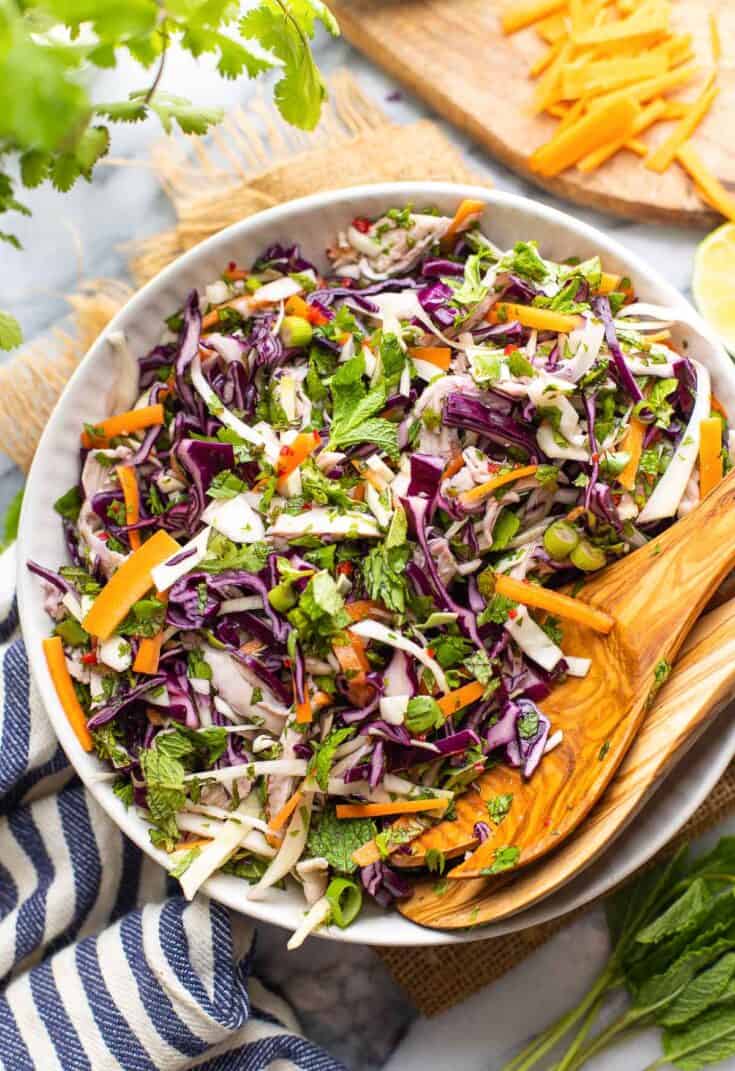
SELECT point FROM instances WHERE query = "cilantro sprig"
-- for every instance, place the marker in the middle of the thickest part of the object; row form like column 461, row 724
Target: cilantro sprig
column 50, row 129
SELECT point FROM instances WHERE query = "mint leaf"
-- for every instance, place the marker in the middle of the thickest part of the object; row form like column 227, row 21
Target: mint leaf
column 69, row 504
column 335, row 839
column 384, row 574
column 353, row 411
column 323, row 757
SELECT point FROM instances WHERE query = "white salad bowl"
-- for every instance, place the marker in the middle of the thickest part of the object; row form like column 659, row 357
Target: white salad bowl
column 89, row 396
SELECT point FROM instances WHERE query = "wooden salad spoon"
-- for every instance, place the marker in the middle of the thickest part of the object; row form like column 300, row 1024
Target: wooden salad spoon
column 655, row 596
column 699, row 686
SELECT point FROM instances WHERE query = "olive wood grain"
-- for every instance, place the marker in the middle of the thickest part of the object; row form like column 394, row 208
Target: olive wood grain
column 454, row 55
column 700, row 684
column 655, row 596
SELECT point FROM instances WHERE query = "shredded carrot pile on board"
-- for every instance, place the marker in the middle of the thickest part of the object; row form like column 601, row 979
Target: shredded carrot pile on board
column 608, row 68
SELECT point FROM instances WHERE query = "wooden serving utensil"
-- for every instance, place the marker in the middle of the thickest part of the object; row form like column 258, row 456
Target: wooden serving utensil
column 701, row 682
column 655, row 596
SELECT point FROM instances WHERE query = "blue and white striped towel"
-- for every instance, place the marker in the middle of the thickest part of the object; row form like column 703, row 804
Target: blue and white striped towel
column 101, row 966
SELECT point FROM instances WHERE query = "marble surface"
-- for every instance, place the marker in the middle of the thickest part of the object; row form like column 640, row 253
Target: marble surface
column 344, row 997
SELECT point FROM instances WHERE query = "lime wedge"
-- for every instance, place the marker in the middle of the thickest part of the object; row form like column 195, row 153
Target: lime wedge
column 714, row 282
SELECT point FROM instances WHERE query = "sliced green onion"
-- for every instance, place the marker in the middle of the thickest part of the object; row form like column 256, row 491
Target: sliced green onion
column 588, row 558
column 295, row 331
column 282, row 597
column 560, row 539
column 345, row 900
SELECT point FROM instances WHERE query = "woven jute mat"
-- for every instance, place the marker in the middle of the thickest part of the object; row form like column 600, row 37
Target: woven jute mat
column 253, row 161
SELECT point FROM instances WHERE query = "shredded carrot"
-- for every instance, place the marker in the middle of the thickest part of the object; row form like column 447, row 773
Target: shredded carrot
column 296, row 306
column 647, row 89
column 715, row 41
column 553, row 601
column 608, row 282
column 304, row 713
column 716, row 405
column 233, row 274
column 633, row 445
column 149, row 648
column 483, row 490
column 295, row 453
column 128, row 584
column 706, row 182
column 604, row 76
column 149, row 652
column 54, row 650
column 548, row 91
column 440, row 356
column 546, row 59
column 362, row 608
column 663, row 156
column 453, row 466
column 530, row 316
column 189, row 845
column 627, row 32
column 637, row 146
column 354, row 664
column 122, row 424
column 129, row 483
column 710, row 455
column 572, row 115
column 647, row 117
column 466, row 214
column 461, row 697
column 377, row 810
column 518, row 16
column 606, row 123
column 279, row 820
column 553, row 28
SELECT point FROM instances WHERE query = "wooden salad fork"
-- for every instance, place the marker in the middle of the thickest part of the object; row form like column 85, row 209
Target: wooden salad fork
column 699, row 686
column 655, row 596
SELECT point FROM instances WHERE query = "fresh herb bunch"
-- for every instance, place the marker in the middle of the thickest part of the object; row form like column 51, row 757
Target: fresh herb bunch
column 673, row 935
column 51, row 130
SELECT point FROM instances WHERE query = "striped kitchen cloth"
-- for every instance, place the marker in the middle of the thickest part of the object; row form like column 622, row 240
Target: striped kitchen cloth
column 101, row 966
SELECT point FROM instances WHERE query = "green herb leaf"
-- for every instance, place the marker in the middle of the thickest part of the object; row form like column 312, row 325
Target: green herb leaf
column 337, row 838
column 323, row 757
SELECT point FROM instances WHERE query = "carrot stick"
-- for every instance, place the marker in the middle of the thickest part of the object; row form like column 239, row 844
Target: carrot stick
column 467, row 212
column 129, row 484
column 354, row 664
column 633, row 445
column 553, row 601
column 367, row 853
column 149, row 652
column 518, row 16
column 304, row 713
column 123, row 424
column 440, row 356
column 362, row 608
column 716, row 405
column 54, row 650
column 295, row 453
column 127, row 585
column 453, row 466
column 149, row 648
column 483, row 490
column 710, row 455
column 461, row 697
column 608, row 282
column 279, row 820
column 376, row 810
column 530, row 316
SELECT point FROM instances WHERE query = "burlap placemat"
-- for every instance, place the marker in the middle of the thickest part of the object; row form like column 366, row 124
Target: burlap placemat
column 253, row 161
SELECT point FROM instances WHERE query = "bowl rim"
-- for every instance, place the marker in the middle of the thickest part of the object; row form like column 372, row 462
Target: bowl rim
column 399, row 931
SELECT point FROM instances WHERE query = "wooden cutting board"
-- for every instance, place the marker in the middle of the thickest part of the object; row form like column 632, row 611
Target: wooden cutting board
column 453, row 54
